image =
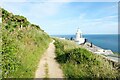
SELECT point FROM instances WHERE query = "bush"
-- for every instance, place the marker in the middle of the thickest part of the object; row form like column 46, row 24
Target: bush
column 21, row 48
column 77, row 62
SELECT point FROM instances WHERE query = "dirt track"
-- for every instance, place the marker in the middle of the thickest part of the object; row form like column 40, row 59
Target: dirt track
column 48, row 67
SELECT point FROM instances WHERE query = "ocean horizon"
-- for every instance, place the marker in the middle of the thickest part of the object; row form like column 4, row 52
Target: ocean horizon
column 105, row 41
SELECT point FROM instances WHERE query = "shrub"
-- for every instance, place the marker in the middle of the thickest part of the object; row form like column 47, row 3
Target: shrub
column 77, row 62
column 21, row 48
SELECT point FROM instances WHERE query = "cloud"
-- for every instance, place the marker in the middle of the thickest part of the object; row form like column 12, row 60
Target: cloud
column 64, row 18
column 42, row 11
column 59, row 0
column 40, row 0
column 100, row 25
column 14, row 0
column 104, row 25
column 33, row 10
column 46, row 9
column 82, row 16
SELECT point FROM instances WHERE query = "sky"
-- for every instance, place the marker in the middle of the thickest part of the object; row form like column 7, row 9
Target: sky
column 63, row 18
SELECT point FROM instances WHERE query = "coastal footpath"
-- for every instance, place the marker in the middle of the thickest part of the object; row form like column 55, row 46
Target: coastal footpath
column 28, row 53
column 48, row 67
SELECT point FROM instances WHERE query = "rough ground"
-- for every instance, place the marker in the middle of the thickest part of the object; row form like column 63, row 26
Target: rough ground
column 48, row 67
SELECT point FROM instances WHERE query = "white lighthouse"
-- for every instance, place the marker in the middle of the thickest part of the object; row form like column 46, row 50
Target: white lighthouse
column 79, row 39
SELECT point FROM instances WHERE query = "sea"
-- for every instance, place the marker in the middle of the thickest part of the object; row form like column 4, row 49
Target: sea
column 105, row 41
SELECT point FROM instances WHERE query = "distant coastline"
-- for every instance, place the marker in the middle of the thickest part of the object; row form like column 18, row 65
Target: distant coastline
column 105, row 41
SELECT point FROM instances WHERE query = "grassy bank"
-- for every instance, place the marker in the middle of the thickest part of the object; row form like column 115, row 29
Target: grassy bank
column 116, row 53
column 22, row 45
column 77, row 62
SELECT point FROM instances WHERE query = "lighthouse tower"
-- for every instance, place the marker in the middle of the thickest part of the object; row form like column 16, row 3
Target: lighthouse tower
column 78, row 34
column 79, row 39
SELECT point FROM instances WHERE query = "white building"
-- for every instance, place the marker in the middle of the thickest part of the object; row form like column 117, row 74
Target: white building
column 79, row 39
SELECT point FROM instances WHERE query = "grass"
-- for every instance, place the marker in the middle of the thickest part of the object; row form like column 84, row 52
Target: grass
column 21, row 47
column 46, row 70
column 0, row 48
column 116, row 53
column 77, row 62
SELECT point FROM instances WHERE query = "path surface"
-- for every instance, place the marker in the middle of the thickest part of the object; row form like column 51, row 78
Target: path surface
column 48, row 67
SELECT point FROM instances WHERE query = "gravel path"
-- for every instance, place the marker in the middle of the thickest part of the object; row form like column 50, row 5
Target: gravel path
column 48, row 67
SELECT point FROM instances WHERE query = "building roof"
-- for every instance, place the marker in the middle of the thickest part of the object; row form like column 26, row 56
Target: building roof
column 79, row 31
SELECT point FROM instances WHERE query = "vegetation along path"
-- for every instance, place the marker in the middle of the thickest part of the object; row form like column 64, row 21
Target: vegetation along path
column 48, row 67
